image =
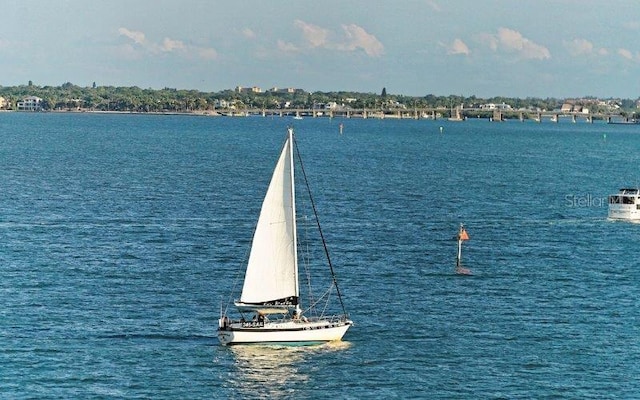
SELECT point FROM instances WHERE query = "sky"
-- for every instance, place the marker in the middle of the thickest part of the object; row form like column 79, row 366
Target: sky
column 511, row 48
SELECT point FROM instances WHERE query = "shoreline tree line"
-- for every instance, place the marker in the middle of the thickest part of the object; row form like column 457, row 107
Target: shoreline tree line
column 134, row 99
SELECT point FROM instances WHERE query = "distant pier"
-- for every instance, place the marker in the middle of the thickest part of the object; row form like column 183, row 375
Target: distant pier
column 429, row 113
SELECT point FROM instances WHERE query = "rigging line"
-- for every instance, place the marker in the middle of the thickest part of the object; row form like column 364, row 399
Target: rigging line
column 306, row 254
column 326, row 296
column 315, row 213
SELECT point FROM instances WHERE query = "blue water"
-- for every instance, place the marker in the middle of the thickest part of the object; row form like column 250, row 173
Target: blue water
column 120, row 236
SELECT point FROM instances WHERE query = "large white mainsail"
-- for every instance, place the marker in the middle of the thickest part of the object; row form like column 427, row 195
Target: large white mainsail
column 271, row 281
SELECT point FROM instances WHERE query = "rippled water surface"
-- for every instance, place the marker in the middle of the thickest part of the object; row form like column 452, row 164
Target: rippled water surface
column 120, row 236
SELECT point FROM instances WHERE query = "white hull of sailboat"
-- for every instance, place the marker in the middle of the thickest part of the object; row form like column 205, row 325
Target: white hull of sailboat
column 290, row 332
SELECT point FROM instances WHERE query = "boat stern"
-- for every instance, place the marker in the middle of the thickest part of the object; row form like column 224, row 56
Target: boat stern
column 225, row 337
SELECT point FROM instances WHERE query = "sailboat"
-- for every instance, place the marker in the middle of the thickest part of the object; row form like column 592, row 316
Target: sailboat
column 462, row 236
column 270, row 303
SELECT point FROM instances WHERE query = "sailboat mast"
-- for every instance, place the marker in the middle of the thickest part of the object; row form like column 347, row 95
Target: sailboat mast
column 294, row 222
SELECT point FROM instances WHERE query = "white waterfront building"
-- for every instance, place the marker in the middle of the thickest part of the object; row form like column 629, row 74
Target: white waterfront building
column 31, row 103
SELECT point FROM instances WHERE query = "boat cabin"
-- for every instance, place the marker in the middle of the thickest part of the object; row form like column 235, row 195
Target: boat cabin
column 625, row 204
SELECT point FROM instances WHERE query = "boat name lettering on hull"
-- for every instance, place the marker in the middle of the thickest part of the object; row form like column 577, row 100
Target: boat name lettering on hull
column 253, row 324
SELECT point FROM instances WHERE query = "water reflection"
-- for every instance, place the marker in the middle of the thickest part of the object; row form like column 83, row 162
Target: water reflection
column 274, row 371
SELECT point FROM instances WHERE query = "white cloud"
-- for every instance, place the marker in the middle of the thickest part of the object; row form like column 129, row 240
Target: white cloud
column 579, row 47
column 315, row 36
column 513, row 40
column 145, row 47
column 624, row 53
column 287, row 47
column 458, row 47
column 355, row 37
column 248, row 33
column 169, row 45
column 583, row 47
column 489, row 40
column 137, row 37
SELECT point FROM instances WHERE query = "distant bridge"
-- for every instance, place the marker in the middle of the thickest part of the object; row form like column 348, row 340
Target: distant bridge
column 427, row 113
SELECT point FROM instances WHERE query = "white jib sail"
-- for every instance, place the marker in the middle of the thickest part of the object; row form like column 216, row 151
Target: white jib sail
column 272, row 271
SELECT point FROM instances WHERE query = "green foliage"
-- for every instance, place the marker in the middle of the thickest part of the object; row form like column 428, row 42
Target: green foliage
column 134, row 99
